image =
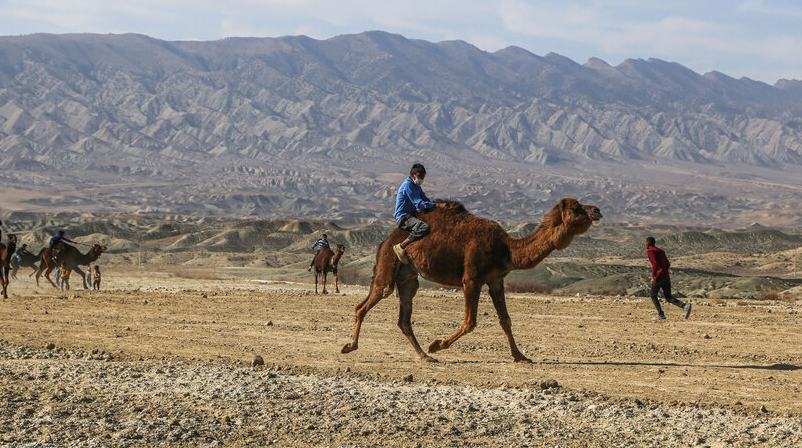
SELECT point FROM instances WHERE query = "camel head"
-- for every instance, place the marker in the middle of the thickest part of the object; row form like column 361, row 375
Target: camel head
column 338, row 253
column 96, row 250
column 571, row 218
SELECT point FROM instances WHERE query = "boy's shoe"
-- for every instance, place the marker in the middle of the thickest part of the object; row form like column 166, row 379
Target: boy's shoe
column 401, row 254
column 687, row 309
column 310, row 269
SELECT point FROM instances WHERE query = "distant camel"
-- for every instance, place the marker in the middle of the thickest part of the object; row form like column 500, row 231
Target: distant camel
column 6, row 252
column 326, row 260
column 68, row 258
column 468, row 251
column 28, row 261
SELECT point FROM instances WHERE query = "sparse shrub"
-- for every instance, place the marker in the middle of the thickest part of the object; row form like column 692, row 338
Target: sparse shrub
column 195, row 274
column 717, row 301
column 352, row 275
column 613, row 291
column 524, row 287
column 768, row 294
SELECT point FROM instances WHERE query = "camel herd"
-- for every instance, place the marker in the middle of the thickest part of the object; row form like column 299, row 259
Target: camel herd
column 68, row 258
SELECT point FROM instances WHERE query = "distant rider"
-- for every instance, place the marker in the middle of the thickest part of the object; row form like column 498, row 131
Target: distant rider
column 55, row 240
column 319, row 244
column 22, row 251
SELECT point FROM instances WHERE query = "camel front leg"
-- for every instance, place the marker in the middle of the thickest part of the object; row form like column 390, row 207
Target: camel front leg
column 316, row 274
column 500, row 303
column 407, row 288
column 336, row 284
column 472, row 291
column 83, row 276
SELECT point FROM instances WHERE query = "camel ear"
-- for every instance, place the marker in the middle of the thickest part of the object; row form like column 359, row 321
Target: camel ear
column 564, row 204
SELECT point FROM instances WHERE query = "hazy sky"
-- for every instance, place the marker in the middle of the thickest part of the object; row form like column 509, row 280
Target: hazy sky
column 757, row 39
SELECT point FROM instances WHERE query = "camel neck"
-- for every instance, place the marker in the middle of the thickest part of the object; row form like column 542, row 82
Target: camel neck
column 530, row 250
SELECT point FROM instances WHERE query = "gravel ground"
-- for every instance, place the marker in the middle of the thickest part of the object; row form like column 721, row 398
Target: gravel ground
column 55, row 397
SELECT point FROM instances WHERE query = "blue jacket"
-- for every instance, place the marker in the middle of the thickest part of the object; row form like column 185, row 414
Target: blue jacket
column 410, row 199
column 58, row 237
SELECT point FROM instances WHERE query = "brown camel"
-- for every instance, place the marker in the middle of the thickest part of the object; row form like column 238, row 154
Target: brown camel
column 6, row 252
column 326, row 260
column 70, row 258
column 468, row 251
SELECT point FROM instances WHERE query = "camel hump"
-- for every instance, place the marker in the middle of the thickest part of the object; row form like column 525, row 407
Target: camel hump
column 452, row 206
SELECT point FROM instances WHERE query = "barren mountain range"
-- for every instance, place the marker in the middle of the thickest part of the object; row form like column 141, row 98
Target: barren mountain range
column 294, row 127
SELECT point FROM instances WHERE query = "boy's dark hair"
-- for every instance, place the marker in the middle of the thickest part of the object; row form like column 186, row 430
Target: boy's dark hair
column 650, row 240
column 417, row 169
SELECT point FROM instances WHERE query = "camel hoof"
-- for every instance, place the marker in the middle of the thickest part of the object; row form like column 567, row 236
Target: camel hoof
column 428, row 359
column 436, row 346
column 523, row 359
column 349, row 347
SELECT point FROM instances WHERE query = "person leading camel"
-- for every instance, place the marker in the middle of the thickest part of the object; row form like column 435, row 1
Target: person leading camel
column 408, row 202
column 660, row 279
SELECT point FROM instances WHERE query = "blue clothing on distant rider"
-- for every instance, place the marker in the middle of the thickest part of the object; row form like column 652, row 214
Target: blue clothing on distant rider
column 410, row 199
column 57, row 238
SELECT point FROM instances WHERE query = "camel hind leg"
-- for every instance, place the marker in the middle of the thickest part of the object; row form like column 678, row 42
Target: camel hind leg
column 381, row 286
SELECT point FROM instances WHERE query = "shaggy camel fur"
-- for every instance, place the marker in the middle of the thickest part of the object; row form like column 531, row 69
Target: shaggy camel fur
column 468, row 251
column 326, row 260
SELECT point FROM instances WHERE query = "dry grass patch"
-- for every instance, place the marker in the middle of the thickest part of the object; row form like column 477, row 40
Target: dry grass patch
column 196, row 274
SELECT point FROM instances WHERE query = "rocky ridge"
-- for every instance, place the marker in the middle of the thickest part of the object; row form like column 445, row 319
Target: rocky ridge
column 296, row 127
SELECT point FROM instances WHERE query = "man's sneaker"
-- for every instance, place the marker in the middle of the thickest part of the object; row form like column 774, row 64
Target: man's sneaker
column 687, row 309
column 401, row 254
column 660, row 317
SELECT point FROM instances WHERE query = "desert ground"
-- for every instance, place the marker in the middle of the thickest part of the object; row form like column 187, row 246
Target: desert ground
column 159, row 359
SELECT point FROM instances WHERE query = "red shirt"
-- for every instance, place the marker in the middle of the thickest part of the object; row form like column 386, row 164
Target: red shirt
column 659, row 261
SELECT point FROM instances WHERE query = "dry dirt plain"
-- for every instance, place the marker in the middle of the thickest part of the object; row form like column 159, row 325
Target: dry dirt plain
column 159, row 360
